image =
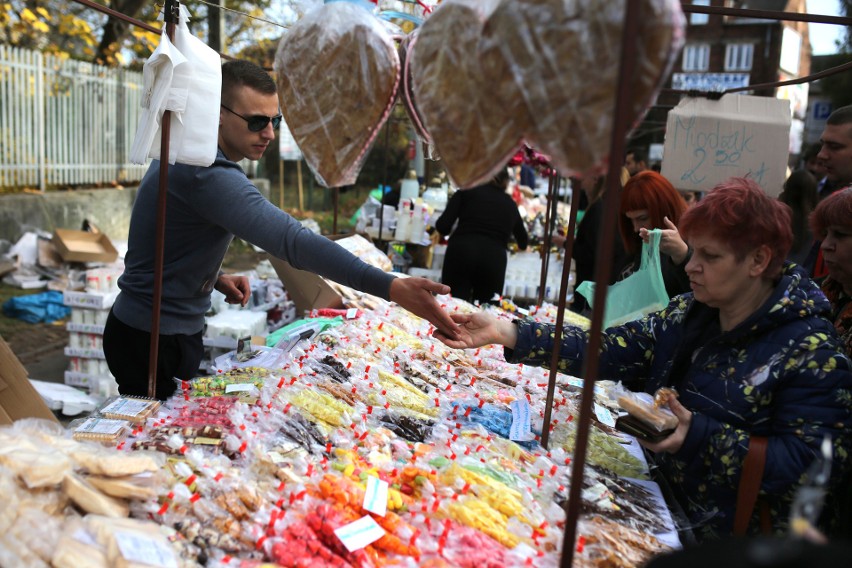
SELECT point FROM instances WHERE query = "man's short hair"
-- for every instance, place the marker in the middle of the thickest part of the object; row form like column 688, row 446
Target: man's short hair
column 639, row 154
column 241, row 73
column 843, row 115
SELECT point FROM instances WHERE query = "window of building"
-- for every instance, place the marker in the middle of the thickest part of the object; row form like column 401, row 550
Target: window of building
column 739, row 56
column 696, row 57
column 699, row 19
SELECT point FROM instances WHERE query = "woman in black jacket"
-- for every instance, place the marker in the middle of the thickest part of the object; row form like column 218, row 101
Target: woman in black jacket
column 475, row 262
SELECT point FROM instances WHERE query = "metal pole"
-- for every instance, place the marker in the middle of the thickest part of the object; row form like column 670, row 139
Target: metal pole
column 335, row 197
column 606, row 238
column 215, row 25
column 384, row 179
column 545, row 245
column 560, row 319
column 170, row 16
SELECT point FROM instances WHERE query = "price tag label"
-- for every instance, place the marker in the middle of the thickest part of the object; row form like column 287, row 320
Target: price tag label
column 376, row 496
column 127, row 407
column 351, row 313
column 240, row 387
column 358, row 534
column 520, row 429
column 578, row 383
column 604, row 416
column 276, row 457
column 145, row 550
column 101, row 426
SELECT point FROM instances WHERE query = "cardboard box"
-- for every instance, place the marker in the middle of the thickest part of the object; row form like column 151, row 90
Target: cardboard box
column 82, row 246
column 708, row 142
column 311, row 292
column 18, row 398
column 307, row 290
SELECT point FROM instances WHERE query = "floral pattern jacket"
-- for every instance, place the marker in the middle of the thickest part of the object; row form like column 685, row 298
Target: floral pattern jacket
column 841, row 311
column 781, row 373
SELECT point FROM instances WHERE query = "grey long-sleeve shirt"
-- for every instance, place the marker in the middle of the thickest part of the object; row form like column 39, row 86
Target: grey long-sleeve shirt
column 206, row 208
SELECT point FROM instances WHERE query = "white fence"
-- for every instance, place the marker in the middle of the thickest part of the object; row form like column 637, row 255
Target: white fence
column 65, row 122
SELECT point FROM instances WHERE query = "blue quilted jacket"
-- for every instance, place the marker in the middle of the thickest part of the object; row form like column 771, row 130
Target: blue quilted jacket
column 781, row 373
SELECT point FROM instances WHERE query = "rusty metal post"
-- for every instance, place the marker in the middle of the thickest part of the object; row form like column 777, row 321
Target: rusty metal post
column 560, row 319
column 170, row 15
column 545, row 245
column 606, row 238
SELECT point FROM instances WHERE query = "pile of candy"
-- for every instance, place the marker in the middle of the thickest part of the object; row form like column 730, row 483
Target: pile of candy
column 378, row 446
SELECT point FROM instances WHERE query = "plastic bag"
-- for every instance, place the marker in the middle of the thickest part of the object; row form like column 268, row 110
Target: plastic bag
column 47, row 307
column 338, row 73
column 637, row 295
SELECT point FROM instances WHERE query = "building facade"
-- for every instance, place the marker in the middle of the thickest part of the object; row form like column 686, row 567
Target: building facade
column 723, row 52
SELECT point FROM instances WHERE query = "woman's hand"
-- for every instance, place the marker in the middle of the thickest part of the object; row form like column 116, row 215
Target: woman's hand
column 481, row 328
column 674, row 442
column 237, row 289
column 670, row 241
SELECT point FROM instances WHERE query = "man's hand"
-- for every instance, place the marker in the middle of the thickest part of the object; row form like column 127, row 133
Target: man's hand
column 674, row 442
column 481, row 328
column 236, row 288
column 670, row 241
column 415, row 295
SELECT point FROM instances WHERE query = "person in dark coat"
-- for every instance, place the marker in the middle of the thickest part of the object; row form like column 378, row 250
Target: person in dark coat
column 800, row 193
column 585, row 249
column 749, row 351
column 475, row 261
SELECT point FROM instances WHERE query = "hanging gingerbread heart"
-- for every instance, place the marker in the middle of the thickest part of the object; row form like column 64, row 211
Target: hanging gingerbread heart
column 564, row 58
column 338, row 72
column 407, row 89
column 474, row 134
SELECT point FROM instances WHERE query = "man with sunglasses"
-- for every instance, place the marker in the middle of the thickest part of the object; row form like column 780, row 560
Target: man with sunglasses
column 207, row 207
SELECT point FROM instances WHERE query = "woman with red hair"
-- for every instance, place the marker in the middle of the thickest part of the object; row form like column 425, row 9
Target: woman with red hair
column 650, row 201
column 831, row 222
column 749, row 351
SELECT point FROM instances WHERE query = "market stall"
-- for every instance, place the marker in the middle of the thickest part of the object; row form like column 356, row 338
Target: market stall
column 369, row 444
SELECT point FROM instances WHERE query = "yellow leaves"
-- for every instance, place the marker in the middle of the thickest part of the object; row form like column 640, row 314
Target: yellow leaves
column 43, row 12
column 830, row 365
column 40, row 26
column 621, row 342
column 28, row 16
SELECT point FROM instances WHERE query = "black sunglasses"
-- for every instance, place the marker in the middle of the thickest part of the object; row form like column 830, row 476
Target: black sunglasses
column 259, row 122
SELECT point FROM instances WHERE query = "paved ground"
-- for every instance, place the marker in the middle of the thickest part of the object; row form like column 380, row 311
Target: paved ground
column 40, row 348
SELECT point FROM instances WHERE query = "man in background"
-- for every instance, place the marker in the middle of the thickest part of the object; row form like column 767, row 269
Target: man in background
column 635, row 161
column 835, row 156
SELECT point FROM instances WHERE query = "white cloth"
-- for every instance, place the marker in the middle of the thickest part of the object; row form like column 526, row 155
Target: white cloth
column 191, row 87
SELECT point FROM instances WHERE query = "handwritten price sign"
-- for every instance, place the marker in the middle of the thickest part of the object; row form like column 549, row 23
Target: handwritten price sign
column 708, row 142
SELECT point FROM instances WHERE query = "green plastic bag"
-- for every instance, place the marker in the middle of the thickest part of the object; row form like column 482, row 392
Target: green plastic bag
column 637, row 295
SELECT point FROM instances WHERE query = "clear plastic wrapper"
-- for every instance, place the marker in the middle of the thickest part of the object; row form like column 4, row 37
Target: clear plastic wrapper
column 555, row 64
column 409, row 99
column 261, row 356
column 98, row 429
column 474, row 133
column 36, row 466
column 338, row 72
column 647, row 410
column 107, row 462
column 37, row 531
column 90, row 500
column 130, row 408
